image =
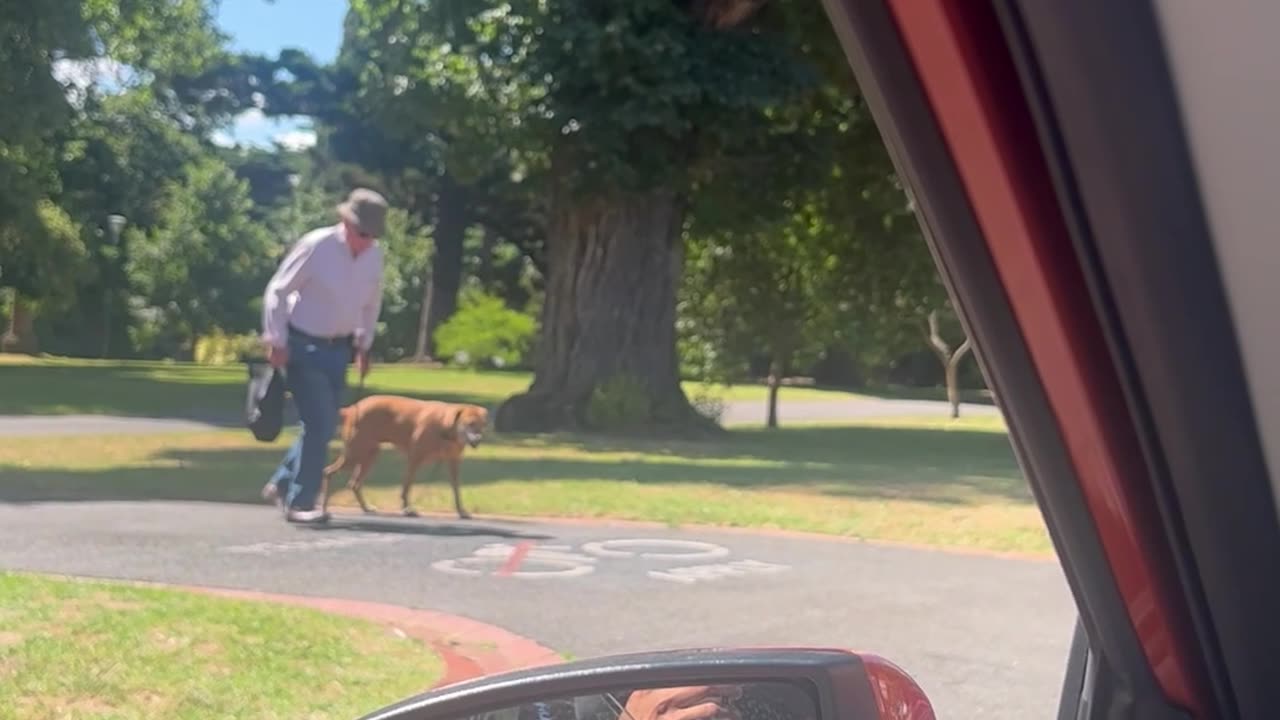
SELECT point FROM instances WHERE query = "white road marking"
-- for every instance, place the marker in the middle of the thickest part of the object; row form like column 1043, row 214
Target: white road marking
column 526, row 560
column 277, row 548
column 539, row 562
column 674, row 549
column 695, row 573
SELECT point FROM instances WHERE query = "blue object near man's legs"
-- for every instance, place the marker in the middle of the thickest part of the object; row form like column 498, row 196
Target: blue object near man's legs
column 317, row 377
column 288, row 468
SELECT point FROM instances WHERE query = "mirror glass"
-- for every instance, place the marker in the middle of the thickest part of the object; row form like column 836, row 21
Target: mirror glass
column 740, row 701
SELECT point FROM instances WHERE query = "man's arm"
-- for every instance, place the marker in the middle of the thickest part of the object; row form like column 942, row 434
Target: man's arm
column 290, row 276
column 369, row 313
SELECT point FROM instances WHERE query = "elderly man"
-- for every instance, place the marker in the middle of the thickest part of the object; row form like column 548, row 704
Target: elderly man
column 319, row 311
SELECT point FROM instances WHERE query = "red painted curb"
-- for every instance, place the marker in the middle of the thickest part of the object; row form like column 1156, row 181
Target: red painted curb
column 469, row 648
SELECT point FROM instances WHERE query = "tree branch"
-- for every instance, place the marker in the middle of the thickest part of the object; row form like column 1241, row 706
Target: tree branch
column 934, row 337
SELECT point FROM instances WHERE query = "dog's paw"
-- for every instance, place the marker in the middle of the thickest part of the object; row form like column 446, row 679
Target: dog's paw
column 464, row 515
column 409, row 512
column 369, row 510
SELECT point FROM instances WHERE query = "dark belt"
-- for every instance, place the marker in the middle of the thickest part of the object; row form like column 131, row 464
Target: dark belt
column 339, row 341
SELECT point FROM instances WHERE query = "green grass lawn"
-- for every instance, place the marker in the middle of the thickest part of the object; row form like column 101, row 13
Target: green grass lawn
column 89, row 649
column 923, row 480
column 166, row 389
column 918, row 480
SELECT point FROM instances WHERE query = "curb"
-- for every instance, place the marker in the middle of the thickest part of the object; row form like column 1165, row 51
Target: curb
column 469, row 648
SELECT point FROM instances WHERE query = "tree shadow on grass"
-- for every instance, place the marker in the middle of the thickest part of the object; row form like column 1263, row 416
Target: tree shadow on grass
column 214, row 394
column 933, row 466
column 830, row 444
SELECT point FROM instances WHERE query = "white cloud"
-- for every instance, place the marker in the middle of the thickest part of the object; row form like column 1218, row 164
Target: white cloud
column 250, row 119
column 80, row 77
column 253, row 128
column 296, row 140
column 80, row 74
column 222, row 138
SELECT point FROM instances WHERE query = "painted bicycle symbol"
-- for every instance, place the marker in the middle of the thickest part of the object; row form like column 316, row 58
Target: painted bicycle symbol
column 522, row 560
column 531, row 561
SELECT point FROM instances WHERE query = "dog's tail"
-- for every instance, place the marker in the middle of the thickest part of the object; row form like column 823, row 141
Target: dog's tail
column 346, row 421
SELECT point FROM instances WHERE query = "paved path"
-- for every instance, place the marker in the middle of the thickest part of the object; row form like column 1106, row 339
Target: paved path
column 46, row 425
column 738, row 412
column 754, row 412
column 986, row 637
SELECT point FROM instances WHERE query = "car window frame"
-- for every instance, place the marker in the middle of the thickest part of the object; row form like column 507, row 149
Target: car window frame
column 887, row 76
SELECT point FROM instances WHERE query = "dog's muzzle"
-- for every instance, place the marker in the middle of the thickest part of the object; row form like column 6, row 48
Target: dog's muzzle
column 473, row 439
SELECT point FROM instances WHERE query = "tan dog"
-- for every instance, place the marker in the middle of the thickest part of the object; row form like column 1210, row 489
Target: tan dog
column 426, row 432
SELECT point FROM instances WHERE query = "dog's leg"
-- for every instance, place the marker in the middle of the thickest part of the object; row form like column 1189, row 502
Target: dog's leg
column 356, row 486
column 348, row 460
column 454, row 466
column 342, row 463
column 356, row 483
column 410, row 471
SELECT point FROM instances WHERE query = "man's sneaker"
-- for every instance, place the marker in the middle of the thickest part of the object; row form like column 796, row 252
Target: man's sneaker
column 307, row 517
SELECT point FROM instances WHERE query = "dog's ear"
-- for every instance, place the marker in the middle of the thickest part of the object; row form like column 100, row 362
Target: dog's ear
column 455, row 417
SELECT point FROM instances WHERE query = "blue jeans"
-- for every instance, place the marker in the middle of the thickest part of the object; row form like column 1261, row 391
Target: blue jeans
column 317, row 377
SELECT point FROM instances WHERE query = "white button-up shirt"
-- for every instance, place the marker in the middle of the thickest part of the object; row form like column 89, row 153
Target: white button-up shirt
column 324, row 291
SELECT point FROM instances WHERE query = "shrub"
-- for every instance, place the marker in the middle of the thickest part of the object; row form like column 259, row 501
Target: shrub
column 708, row 404
column 621, row 403
column 219, row 348
column 485, row 332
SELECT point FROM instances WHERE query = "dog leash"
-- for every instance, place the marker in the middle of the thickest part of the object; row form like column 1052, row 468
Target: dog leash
column 355, row 408
column 356, row 405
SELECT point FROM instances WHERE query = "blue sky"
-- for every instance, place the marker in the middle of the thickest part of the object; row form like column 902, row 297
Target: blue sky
column 268, row 27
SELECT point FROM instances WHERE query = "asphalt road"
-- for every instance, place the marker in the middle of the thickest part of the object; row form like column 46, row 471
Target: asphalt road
column 986, row 637
column 736, row 413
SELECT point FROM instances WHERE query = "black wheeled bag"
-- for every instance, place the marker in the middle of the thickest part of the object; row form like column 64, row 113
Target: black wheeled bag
column 264, row 407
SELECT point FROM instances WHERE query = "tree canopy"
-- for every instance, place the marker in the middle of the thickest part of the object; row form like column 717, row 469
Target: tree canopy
column 617, row 195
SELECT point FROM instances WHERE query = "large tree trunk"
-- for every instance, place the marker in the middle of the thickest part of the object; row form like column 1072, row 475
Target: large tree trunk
column 614, row 266
column 441, row 289
column 20, row 337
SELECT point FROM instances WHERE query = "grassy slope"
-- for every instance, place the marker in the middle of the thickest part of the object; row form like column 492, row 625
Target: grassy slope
column 922, row 480
column 81, row 649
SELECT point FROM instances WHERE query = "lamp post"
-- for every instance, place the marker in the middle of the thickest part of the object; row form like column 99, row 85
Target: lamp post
column 115, row 225
column 295, row 213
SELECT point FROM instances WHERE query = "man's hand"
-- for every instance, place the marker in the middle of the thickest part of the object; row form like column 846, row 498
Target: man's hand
column 682, row 703
column 362, row 363
column 278, row 356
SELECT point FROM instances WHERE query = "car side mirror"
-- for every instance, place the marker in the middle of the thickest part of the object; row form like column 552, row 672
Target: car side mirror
column 757, row 684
